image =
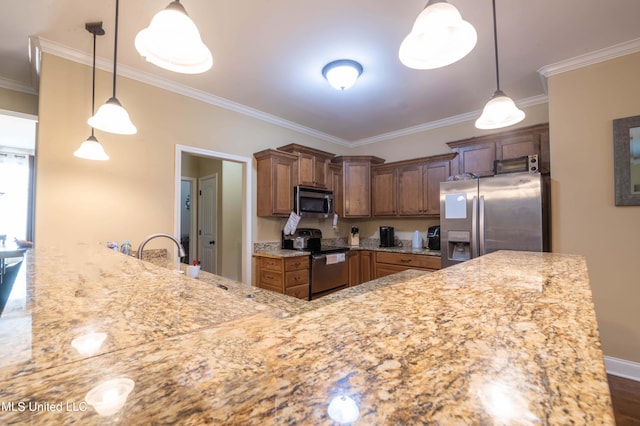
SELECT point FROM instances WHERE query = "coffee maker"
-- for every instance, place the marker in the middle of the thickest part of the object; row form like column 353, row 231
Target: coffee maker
column 433, row 237
column 387, row 237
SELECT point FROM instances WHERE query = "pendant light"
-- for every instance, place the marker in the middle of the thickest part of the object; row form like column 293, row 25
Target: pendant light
column 112, row 117
column 91, row 148
column 439, row 37
column 172, row 41
column 500, row 111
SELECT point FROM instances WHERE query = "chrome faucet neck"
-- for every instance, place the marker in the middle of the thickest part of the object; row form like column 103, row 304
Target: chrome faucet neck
column 152, row 236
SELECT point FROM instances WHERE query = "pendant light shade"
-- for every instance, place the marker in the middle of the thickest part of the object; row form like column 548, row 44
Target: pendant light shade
column 112, row 117
column 439, row 37
column 172, row 41
column 342, row 74
column 91, row 148
column 500, row 111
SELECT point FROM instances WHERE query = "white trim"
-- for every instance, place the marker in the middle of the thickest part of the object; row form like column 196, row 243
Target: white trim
column 18, row 86
column 19, row 115
column 469, row 116
column 622, row 368
column 78, row 56
column 591, row 58
column 247, row 208
column 74, row 55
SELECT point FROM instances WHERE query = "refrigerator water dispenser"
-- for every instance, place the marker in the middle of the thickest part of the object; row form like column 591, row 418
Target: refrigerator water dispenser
column 459, row 245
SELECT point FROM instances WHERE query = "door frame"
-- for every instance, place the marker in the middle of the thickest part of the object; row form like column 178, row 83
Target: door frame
column 193, row 220
column 246, row 199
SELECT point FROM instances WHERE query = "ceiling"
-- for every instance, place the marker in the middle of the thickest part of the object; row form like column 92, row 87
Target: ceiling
column 268, row 55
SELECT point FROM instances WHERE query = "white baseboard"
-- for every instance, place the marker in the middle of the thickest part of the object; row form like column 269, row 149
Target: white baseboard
column 622, row 368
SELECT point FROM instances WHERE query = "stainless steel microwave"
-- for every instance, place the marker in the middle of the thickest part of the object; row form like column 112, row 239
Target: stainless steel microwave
column 528, row 163
column 312, row 202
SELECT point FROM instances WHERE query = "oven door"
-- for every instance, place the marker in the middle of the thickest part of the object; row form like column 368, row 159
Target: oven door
column 327, row 277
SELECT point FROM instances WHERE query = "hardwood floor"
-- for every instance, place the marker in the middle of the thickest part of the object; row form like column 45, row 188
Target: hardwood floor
column 625, row 396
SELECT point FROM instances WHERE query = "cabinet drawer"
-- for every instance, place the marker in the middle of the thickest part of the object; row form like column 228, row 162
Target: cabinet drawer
column 271, row 264
column 295, row 278
column 408, row 260
column 299, row 291
column 271, row 279
column 296, row 263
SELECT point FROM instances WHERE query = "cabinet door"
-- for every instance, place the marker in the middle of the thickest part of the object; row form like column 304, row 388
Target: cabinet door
column 306, row 169
column 334, row 183
column 366, row 266
column 477, row 159
column 518, row 147
column 410, row 191
column 383, row 192
column 434, row 173
column 283, row 187
column 320, row 172
column 354, row 268
column 357, row 189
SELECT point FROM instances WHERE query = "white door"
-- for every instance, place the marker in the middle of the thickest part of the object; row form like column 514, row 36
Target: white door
column 208, row 223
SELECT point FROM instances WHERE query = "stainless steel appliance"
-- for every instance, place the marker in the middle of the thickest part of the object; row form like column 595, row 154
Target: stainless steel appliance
column 505, row 212
column 433, row 237
column 528, row 163
column 329, row 270
column 387, row 236
column 312, row 202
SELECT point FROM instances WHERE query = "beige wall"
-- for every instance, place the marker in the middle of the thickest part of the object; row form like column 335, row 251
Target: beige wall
column 582, row 105
column 12, row 100
column 131, row 195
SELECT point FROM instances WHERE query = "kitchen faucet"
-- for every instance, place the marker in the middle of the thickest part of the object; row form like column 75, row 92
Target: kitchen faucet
column 152, row 236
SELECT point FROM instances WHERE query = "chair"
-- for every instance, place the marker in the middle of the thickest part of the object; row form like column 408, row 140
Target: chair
column 6, row 282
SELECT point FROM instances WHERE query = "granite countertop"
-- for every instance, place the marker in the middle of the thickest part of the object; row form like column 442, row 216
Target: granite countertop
column 278, row 252
column 508, row 338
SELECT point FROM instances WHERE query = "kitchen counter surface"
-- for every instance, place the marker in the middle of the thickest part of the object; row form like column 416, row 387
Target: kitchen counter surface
column 277, row 252
column 508, row 338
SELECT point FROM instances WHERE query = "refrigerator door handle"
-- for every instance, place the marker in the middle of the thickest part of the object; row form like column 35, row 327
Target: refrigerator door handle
column 481, row 226
column 474, row 228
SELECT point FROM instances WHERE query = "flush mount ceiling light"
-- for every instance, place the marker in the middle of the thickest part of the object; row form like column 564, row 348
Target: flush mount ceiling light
column 91, row 148
column 172, row 41
column 439, row 37
column 342, row 74
column 500, row 111
column 112, row 117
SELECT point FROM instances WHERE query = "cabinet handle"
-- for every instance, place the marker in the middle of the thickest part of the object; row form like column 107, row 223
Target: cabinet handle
column 269, row 277
column 405, row 260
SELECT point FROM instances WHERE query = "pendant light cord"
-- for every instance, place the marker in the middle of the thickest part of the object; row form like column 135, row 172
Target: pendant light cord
column 93, row 82
column 495, row 45
column 115, row 49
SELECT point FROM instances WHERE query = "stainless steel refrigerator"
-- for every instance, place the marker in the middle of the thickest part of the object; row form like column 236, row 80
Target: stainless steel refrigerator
column 504, row 212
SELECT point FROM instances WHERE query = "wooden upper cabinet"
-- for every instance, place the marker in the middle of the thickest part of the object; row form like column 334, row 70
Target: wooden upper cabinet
column 410, row 190
column 434, row 173
column 334, row 183
column 275, row 182
column 476, row 155
column 417, row 185
column 383, row 187
column 356, row 180
column 311, row 167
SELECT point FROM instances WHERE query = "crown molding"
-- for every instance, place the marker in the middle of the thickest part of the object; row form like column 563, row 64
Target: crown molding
column 456, row 119
column 126, row 71
column 591, row 58
column 17, row 86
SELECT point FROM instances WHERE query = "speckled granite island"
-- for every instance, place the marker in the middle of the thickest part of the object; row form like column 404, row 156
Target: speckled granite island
column 508, row 338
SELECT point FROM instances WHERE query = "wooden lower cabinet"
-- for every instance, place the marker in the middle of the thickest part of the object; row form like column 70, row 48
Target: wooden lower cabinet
column 387, row 263
column 359, row 267
column 286, row 275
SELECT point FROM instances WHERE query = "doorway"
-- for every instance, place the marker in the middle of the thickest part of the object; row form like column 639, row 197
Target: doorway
column 17, row 175
column 233, row 239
